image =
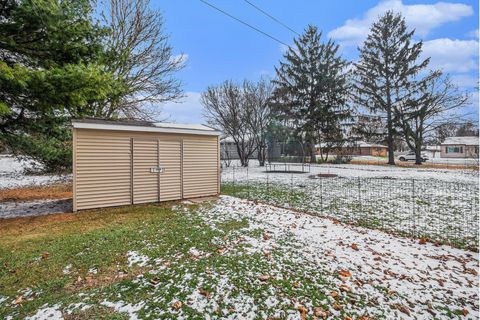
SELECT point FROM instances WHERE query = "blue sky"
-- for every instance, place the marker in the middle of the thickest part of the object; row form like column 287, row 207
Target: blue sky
column 218, row 48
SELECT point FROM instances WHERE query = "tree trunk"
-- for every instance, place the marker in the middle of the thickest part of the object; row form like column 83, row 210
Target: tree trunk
column 391, row 156
column 312, row 151
column 418, row 152
column 261, row 156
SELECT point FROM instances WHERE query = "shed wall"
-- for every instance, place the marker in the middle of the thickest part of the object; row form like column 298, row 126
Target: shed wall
column 103, row 161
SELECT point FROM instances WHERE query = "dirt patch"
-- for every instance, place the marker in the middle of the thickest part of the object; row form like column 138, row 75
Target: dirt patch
column 58, row 191
column 323, row 175
column 13, row 209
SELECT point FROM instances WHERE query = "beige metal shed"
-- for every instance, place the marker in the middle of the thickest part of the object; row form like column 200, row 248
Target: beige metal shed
column 119, row 163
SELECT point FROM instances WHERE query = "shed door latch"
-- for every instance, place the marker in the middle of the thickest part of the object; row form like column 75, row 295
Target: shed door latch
column 157, row 170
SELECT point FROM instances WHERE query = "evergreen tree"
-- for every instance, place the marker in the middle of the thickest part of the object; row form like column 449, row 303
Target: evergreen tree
column 312, row 87
column 387, row 65
column 49, row 72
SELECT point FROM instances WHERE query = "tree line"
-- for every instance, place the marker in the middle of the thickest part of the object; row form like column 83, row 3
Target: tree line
column 320, row 98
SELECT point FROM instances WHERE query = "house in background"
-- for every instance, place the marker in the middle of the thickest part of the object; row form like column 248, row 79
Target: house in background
column 359, row 148
column 460, row 147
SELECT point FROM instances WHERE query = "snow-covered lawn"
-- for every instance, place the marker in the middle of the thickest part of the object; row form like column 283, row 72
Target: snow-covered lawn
column 240, row 260
column 438, row 204
column 12, row 174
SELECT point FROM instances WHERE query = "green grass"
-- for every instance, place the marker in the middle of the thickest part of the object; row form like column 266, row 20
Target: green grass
column 35, row 251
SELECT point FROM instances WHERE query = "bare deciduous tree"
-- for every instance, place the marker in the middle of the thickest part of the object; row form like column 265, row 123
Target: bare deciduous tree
column 259, row 113
column 432, row 102
column 139, row 54
column 224, row 108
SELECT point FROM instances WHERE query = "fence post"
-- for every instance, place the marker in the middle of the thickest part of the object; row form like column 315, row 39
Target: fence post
column 359, row 197
column 233, row 178
column 248, row 186
column 291, row 190
column 413, row 209
column 321, row 193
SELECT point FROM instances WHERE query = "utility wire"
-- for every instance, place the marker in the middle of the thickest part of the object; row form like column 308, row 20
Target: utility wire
column 244, row 23
column 272, row 17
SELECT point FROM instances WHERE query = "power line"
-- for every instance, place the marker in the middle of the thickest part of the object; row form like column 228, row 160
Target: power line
column 244, row 23
column 272, row 17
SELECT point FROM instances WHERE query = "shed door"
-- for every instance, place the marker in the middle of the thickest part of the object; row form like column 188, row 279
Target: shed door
column 145, row 160
column 171, row 176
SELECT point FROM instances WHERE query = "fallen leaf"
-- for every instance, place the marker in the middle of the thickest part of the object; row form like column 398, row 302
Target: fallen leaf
column 177, row 305
column 337, row 306
column 345, row 273
column 19, row 300
column 465, row 312
column 347, row 318
column 303, row 312
column 422, row 241
column 344, row 288
column 295, row 284
column 45, row 255
column 354, row 246
column 204, row 293
column 334, row 294
column 266, row 236
column 403, row 309
column 264, row 277
column 221, row 250
column 320, row 312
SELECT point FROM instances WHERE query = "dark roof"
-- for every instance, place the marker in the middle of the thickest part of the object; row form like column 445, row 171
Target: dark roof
column 126, row 122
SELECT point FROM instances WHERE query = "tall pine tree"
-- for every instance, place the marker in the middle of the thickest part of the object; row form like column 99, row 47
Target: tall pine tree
column 387, row 65
column 311, row 88
column 50, row 71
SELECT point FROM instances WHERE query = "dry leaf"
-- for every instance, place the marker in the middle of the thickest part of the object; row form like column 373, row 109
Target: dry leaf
column 403, row 309
column 177, row 305
column 337, row 306
column 221, row 250
column 344, row 288
column 45, row 255
column 319, row 312
column 354, row 246
column 303, row 312
column 264, row 277
column 465, row 312
column 204, row 293
column 266, row 236
column 347, row 318
column 344, row 273
column 19, row 300
column 334, row 294
column 295, row 284
column 422, row 241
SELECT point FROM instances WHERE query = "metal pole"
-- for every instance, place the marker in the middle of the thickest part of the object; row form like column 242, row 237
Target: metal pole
column 413, row 208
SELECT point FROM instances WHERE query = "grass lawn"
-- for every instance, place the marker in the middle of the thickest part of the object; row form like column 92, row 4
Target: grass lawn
column 227, row 259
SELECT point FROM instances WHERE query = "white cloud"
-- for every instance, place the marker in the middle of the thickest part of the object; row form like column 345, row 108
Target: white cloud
column 422, row 17
column 452, row 55
column 473, row 33
column 180, row 58
column 189, row 110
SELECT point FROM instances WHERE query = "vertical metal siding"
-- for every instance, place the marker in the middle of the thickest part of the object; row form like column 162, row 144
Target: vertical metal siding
column 200, row 167
column 102, row 170
column 171, row 178
column 103, row 163
column 145, row 183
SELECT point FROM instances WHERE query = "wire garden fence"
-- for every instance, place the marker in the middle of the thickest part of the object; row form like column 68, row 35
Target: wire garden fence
column 442, row 211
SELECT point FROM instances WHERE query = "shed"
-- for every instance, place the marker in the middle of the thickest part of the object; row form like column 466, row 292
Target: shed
column 119, row 163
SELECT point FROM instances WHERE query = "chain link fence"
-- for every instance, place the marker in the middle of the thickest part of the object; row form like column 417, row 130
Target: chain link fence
column 442, row 211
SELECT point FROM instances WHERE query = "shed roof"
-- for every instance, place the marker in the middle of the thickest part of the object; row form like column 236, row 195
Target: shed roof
column 469, row 141
column 143, row 126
